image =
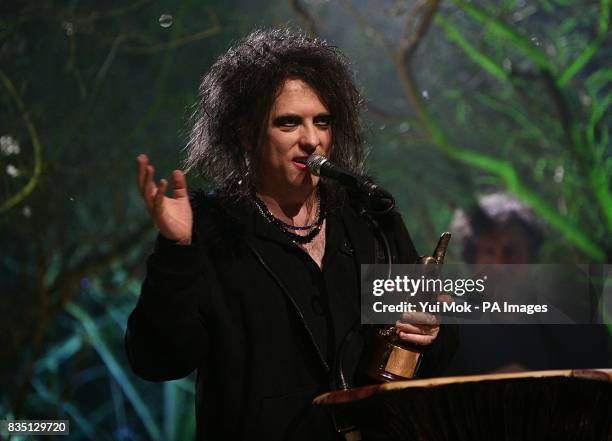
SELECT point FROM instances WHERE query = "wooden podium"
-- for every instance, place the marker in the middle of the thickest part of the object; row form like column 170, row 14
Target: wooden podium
column 573, row 405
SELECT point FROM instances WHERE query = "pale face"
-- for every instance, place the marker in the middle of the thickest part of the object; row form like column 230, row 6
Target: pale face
column 298, row 126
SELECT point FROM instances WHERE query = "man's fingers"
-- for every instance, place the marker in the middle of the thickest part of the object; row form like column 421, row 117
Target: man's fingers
column 150, row 189
column 422, row 340
column 417, row 334
column 445, row 298
column 416, row 329
column 141, row 172
column 420, row 318
column 159, row 196
column 179, row 185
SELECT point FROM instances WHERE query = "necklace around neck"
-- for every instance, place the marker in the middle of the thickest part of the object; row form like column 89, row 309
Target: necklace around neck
column 314, row 228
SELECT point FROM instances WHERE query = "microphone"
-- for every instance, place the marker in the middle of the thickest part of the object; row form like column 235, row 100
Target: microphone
column 321, row 166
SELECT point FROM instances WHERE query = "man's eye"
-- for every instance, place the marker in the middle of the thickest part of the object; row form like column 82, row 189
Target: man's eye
column 286, row 121
column 322, row 121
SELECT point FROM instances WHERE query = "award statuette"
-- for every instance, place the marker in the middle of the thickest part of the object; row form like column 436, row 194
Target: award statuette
column 393, row 359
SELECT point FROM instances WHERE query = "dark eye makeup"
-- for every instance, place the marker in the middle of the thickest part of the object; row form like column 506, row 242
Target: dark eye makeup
column 323, row 120
column 286, row 121
column 294, row 120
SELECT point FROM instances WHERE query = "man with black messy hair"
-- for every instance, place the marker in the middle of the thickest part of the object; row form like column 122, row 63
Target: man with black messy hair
column 238, row 92
column 256, row 284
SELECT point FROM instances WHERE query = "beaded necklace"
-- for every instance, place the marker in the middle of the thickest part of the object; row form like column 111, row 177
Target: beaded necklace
column 314, row 228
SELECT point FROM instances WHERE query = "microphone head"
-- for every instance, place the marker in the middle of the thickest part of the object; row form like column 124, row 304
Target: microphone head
column 314, row 163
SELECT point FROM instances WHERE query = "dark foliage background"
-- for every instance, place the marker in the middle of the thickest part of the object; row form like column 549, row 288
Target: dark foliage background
column 462, row 98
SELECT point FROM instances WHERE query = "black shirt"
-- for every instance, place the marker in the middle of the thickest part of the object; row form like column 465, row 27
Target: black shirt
column 329, row 296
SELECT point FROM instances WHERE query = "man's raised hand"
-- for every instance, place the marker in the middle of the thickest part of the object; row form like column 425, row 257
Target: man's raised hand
column 172, row 215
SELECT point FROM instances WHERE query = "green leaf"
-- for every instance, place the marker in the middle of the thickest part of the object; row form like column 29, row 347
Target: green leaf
column 503, row 30
column 116, row 370
column 58, row 353
column 476, row 56
column 593, row 46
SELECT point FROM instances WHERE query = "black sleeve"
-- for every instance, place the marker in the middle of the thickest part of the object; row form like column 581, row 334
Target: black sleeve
column 439, row 354
column 166, row 335
column 406, row 252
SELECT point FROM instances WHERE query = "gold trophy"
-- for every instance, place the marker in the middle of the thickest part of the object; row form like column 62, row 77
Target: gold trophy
column 393, row 359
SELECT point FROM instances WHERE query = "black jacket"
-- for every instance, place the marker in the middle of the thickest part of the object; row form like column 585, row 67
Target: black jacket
column 224, row 306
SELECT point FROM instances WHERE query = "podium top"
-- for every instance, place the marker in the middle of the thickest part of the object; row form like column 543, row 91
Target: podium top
column 351, row 395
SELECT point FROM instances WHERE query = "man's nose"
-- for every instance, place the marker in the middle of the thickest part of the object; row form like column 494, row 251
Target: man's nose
column 309, row 140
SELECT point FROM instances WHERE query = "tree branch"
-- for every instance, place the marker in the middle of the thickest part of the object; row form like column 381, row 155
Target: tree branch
column 173, row 44
column 33, row 181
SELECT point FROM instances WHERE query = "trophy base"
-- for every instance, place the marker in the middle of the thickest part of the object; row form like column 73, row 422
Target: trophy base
column 391, row 362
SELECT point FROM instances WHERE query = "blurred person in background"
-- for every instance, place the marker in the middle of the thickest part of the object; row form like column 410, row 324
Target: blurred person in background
column 502, row 230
